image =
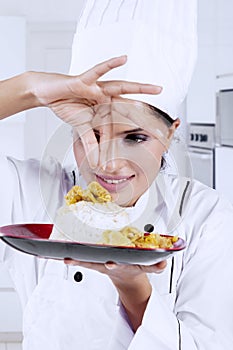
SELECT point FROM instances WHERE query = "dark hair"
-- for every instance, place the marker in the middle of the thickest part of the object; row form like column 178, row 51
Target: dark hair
column 161, row 114
column 167, row 120
column 163, row 163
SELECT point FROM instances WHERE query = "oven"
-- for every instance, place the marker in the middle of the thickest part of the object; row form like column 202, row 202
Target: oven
column 201, row 150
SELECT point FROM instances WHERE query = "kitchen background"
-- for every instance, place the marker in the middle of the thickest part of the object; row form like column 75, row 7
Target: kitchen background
column 38, row 36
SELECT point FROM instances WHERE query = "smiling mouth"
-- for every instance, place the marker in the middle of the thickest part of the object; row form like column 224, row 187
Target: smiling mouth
column 116, row 180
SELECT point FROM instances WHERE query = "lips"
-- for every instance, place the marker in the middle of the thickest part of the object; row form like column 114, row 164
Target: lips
column 114, row 183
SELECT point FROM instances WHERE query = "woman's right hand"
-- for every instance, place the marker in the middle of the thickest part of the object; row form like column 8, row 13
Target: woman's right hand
column 72, row 98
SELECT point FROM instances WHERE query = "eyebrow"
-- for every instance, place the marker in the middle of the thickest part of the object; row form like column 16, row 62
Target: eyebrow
column 132, row 131
column 126, row 131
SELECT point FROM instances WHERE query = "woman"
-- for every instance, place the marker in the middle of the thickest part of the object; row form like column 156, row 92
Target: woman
column 118, row 306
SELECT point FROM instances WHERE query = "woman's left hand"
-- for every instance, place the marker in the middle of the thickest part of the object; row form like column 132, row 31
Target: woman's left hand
column 131, row 282
column 122, row 271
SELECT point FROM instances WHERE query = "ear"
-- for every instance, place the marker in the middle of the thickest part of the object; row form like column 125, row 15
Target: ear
column 172, row 129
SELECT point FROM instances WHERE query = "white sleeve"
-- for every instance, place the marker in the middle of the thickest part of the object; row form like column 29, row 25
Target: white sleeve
column 6, row 198
column 22, row 267
column 22, row 182
column 202, row 316
column 6, row 191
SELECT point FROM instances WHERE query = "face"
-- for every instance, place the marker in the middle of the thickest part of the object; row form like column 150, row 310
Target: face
column 131, row 142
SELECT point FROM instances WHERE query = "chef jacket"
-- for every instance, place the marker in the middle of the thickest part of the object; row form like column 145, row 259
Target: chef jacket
column 191, row 303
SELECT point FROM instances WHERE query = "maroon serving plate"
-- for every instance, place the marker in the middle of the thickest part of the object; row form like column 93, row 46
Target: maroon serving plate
column 34, row 239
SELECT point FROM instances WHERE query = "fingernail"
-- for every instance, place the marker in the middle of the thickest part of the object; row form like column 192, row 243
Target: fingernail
column 159, row 88
column 69, row 261
column 110, row 265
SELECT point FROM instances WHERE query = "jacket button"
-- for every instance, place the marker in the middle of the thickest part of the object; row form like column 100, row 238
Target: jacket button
column 78, row 276
column 149, row 228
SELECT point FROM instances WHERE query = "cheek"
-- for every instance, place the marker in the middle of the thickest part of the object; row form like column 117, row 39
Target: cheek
column 81, row 160
column 150, row 161
column 79, row 153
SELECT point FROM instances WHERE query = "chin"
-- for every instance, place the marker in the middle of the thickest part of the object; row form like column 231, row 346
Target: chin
column 123, row 201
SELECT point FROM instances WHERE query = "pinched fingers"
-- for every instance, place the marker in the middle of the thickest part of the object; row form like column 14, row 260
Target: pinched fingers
column 121, row 87
column 89, row 143
column 83, row 128
column 106, row 89
column 93, row 74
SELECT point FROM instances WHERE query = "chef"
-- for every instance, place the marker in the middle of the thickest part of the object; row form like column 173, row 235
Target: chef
column 81, row 305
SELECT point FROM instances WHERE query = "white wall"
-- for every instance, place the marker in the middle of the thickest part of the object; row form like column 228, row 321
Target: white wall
column 13, row 45
column 42, row 10
column 26, row 28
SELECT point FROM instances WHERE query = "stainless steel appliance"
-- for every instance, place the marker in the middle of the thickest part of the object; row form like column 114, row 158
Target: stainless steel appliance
column 224, row 118
column 201, row 149
column 224, row 143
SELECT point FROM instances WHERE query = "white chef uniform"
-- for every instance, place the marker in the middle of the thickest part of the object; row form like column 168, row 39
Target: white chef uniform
column 191, row 303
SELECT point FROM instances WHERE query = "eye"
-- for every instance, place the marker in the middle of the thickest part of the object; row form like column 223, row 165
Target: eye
column 135, row 138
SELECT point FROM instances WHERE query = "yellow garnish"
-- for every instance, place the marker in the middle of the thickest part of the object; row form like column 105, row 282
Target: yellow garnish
column 74, row 195
column 94, row 193
column 130, row 236
column 100, row 193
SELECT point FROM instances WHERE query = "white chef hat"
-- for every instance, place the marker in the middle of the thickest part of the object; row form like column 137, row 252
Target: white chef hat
column 159, row 38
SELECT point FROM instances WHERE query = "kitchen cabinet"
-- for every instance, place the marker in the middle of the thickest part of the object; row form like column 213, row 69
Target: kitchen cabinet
column 224, row 82
column 13, row 44
column 224, row 37
column 48, row 49
column 10, row 346
column 201, row 94
column 10, row 313
column 224, row 171
column 12, row 62
column 214, row 68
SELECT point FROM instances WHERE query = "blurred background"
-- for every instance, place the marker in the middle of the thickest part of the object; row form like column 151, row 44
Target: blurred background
column 37, row 35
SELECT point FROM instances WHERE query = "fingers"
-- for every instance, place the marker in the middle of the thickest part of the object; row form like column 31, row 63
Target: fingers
column 120, row 268
column 156, row 268
column 100, row 69
column 90, row 144
column 161, row 265
column 120, row 87
column 114, row 88
column 88, row 265
column 111, row 265
column 82, row 125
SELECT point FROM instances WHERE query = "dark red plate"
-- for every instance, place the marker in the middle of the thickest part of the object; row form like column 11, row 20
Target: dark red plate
column 34, row 239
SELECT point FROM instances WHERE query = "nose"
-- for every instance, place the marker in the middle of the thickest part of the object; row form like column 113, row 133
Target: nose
column 110, row 159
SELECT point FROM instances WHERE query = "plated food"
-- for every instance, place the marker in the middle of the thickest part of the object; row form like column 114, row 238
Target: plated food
column 87, row 213
column 90, row 216
column 34, row 239
column 90, row 227
column 131, row 237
